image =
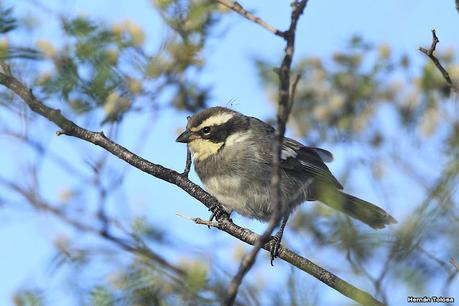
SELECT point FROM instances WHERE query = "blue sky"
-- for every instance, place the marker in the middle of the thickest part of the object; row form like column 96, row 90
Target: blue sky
column 324, row 28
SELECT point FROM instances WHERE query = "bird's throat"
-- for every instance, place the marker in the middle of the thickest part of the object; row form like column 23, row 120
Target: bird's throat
column 203, row 148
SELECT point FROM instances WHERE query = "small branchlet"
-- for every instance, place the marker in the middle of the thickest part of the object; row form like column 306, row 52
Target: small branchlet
column 430, row 53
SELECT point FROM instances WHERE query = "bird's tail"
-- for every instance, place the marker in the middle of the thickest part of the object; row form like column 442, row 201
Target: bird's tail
column 357, row 208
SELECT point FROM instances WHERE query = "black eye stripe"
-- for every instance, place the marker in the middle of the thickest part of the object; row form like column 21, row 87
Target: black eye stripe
column 219, row 132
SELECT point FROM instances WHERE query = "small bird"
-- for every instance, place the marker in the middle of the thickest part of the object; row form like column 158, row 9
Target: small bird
column 232, row 155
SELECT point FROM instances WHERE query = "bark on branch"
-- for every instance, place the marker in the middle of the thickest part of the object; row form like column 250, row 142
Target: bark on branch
column 98, row 138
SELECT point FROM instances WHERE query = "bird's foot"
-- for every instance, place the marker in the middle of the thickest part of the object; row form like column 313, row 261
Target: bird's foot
column 218, row 213
column 275, row 244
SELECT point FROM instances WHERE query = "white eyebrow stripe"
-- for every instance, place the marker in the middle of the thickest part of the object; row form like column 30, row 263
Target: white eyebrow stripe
column 216, row 119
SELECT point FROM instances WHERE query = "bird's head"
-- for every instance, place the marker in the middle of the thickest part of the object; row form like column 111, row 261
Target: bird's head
column 209, row 130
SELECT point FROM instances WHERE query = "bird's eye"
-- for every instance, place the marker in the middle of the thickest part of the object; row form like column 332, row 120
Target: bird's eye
column 206, row 130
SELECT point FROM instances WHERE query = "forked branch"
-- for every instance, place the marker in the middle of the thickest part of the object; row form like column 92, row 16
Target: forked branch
column 430, row 53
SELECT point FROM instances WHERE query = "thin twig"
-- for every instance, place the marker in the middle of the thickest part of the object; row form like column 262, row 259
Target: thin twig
column 454, row 263
column 70, row 128
column 285, row 103
column 186, row 171
column 432, row 257
column 238, row 8
column 430, row 53
column 199, row 220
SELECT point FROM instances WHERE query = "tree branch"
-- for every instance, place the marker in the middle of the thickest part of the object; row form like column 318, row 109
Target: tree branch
column 283, row 111
column 97, row 138
column 430, row 53
column 235, row 6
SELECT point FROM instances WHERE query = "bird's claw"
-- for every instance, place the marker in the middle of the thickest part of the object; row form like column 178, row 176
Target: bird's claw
column 275, row 244
column 218, row 213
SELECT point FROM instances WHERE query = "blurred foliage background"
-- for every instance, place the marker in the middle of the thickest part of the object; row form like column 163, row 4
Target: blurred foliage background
column 394, row 123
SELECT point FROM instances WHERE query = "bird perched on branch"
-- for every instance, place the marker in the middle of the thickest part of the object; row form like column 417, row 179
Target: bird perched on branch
column 232, row 155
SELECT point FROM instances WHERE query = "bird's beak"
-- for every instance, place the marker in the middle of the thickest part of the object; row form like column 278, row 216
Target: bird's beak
column 186, row 137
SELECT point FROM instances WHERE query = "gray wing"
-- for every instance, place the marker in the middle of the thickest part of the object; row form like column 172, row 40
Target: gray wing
column 308, row 161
